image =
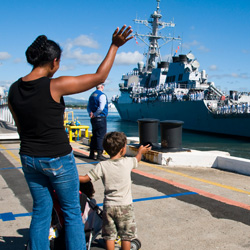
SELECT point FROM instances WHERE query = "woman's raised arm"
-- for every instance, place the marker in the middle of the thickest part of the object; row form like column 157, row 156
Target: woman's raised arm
column 67, row 85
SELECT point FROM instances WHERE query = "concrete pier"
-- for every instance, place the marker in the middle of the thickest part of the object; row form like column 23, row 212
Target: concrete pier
column 176, row 207
column 193, row 158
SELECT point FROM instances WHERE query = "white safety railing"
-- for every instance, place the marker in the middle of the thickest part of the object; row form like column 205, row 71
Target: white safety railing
column 5, row 114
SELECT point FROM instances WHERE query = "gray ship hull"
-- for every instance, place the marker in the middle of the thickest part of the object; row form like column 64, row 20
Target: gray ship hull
column 194, row 114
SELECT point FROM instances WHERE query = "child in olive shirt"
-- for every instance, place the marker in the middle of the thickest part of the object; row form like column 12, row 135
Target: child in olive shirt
column 115, row 173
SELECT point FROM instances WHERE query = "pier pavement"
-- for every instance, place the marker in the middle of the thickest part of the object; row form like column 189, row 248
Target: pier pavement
column 177, row 208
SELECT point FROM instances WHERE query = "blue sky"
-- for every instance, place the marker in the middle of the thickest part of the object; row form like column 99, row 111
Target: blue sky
column 217, row 33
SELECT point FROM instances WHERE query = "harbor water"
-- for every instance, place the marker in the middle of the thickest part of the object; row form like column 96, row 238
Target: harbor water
column 237, row 147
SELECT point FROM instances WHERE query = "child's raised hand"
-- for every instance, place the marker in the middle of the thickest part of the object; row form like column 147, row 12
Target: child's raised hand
column 144, row 149
column 121, row 36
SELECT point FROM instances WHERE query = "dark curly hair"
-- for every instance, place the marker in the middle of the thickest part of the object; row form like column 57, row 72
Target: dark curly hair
column 42, row 51
column 88, row 189
column 113, row 142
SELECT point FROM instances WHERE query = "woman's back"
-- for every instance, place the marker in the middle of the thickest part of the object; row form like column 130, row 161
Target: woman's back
column 40, row 119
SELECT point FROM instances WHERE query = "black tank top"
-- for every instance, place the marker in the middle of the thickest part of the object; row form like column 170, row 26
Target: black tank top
column 40, row 118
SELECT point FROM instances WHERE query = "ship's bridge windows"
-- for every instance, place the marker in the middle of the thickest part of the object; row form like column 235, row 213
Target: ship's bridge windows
column 180, row 77
column 170, row 79
column 153, row 83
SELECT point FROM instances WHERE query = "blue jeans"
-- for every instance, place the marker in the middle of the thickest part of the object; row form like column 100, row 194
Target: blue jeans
column 44, row 175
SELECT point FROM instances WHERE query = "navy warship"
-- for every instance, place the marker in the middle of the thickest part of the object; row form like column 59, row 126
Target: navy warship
column 177, row 90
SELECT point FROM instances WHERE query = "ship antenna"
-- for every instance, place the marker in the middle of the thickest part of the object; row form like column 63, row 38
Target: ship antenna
column 158, row 5
column 154, row 24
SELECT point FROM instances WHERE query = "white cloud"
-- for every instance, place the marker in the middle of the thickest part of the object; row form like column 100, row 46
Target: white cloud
column 5, row 84
column 111, row 89
column 18, row 60
column 245, row 76
column 72, row 50
column 203, row 48
column 66, row 67
column 244, row 51
column 190, row 44
column 213, row 67
column 234, row 75
column 166, row 58
column 82, row 98
column 122, row 58
column 128, row 58
column 89, row 59
column 82, row 41
column 78, row 54
column 4, row 55
column 197, row 44
column 85, row 41
column 231, row 75
column 194, row 43
column 108, row 81
column 240, row 75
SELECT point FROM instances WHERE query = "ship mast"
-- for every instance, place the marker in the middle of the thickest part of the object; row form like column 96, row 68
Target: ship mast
column 154, row 24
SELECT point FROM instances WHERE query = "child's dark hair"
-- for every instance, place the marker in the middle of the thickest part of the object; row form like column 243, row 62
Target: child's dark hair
column 113, row 142
column 42, row 51
column 88, row 189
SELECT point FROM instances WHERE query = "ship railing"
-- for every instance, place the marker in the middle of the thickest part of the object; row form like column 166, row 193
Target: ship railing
column 182, row 86
column 227, row 109
column 5, row 114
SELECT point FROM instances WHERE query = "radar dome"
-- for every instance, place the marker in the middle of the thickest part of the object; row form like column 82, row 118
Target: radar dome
column 195, row 64
column 190, row 56
column 140, row 66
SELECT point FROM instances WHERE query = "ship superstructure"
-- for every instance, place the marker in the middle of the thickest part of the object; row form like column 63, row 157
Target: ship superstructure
column 176, row 89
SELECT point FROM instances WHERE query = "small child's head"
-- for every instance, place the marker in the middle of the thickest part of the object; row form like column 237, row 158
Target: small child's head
column 113, row 142
column 88, row 189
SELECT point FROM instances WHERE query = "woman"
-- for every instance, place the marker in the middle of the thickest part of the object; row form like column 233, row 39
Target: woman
column 37, row 105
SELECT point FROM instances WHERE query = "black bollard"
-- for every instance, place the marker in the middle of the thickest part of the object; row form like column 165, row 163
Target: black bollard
column 171, row 135
column 148, row 131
